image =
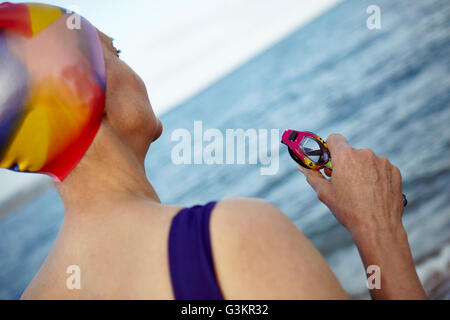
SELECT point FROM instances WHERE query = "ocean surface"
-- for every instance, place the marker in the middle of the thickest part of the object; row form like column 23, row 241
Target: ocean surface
column 386, row 89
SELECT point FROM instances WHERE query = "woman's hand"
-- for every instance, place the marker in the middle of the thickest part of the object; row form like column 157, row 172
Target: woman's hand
column 365, row 191
column 365, row 195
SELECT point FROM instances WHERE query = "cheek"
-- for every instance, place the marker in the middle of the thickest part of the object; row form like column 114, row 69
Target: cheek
column 128, row 106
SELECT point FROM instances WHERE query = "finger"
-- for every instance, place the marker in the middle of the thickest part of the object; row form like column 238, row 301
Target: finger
column 302, row 169
column 336, row 143
column 316, row 180
column 328, row 172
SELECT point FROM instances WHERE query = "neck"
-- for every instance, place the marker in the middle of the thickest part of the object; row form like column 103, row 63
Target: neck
column 109, row 172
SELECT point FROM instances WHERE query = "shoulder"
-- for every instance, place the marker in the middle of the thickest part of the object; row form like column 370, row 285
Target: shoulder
column 260, row 254
column 245, row 219
column 246, row 212
column 251, row 225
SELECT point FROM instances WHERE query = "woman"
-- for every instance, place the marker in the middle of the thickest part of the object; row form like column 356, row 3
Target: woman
column 128, row 245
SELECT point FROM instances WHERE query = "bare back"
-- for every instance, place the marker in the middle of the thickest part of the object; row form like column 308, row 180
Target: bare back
column 124, row 255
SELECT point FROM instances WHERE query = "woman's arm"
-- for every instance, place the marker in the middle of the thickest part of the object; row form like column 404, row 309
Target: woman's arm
column 365, row 195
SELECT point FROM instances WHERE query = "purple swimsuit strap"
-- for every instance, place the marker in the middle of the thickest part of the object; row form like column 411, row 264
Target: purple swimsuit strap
column 190, row 255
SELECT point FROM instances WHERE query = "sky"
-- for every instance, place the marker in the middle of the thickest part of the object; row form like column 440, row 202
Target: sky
column 180, row 47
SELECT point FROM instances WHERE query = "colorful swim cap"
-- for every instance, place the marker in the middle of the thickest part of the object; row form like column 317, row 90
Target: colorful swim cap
column 52, row 88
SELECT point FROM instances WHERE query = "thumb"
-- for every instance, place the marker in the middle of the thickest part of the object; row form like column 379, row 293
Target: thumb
column 316, row 180
column 336, row 143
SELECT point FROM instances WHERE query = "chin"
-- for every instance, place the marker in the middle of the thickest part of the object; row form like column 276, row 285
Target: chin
column 158, row 131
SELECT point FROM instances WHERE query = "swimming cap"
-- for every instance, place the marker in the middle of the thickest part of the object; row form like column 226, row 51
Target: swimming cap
column 52, row 88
